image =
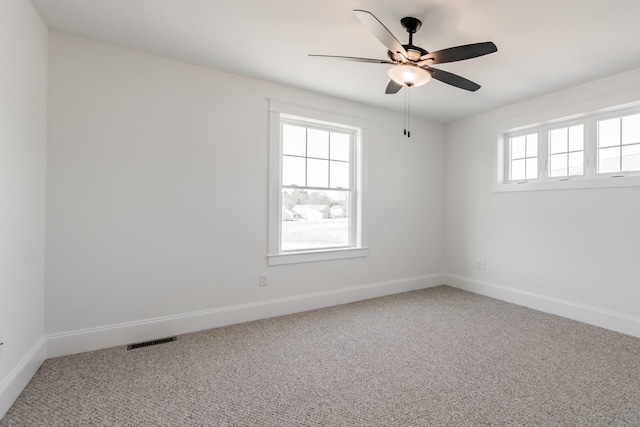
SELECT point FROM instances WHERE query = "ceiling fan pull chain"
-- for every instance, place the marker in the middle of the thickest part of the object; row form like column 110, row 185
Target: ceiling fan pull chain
column 409, row 112
column 405, row 112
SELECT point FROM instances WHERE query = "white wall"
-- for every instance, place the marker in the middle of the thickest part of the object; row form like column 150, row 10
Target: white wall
column 157, row 200
column 571, row 252
column 23, row 126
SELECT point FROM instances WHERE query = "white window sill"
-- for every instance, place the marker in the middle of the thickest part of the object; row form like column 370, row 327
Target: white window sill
column 319, row 255
column 574, row 183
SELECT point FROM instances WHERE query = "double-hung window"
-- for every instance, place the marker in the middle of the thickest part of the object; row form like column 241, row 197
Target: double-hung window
column 316, row 185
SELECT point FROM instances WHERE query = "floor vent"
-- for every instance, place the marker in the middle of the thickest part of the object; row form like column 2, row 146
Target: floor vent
column 150, row 343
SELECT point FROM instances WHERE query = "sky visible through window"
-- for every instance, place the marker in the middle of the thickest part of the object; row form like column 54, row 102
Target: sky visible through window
column 566, row 151
column 524, row 157
column 619, row 144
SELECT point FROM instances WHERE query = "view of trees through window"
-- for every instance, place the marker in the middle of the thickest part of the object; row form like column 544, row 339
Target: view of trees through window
column 314, row 219
column 316, row 187
column 317, row 196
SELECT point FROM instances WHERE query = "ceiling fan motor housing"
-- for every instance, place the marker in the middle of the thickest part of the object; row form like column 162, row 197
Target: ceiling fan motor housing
column 410, row 48
column 411, row 25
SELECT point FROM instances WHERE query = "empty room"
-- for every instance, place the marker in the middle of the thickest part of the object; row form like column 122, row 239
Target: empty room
column 312, row 213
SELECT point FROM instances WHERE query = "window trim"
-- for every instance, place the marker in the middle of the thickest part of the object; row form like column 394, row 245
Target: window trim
column 607, row 116
column 308, row 115
column 508, row 160
column 547, row 153
column 589, row 179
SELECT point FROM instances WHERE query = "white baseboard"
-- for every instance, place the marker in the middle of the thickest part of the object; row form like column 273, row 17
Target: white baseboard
column 21, row 374
column 61, row 344
column 614, row 321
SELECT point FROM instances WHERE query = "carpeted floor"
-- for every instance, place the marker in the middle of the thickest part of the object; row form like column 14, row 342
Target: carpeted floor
column 435, row 357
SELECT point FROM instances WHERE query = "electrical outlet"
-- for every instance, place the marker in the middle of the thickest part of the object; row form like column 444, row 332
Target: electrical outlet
column 263, row 280
column 483, row 265
column 1, row 343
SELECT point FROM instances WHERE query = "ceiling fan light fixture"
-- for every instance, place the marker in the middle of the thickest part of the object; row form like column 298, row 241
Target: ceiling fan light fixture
column 409, row 75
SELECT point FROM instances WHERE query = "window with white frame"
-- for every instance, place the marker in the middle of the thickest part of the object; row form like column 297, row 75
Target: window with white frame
column 523, row 157
column 566, row 151
column 316, row 185
column 619, row 144
column 573, row 153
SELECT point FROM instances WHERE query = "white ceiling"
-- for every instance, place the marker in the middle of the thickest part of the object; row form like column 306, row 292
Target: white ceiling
column 543, row 45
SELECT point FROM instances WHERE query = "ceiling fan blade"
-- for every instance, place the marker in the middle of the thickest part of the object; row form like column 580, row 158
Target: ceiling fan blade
column 352, row 58
column 392, row 87
column 380, row 32
column 453, row 79
column 458, row 53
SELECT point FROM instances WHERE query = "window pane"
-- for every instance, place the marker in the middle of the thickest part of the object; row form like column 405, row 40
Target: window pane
column 518, row 170
column 558, row 165
column 339, row 175
column 532, row 168
column 314, row 220
column 518, row 147
column 318, row 173
column 576, row 163
column 609, row 132
column 293, row 171
column 576, row 138
column 532, row 145
column 631, row 129
column 318, row 143
column 294, row 140
column 340, row 146
column 609, row 160
column 631, row 158
column 558, row 141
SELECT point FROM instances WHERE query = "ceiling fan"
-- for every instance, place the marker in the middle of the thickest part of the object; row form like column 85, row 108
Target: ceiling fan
column 412, row 65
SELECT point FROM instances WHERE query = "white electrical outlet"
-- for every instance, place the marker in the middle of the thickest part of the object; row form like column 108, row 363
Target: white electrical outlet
column 483, row 265
column 263, row 279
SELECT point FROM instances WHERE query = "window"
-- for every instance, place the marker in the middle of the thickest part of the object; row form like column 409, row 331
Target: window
column 523, row 162
column 316, row 185
column 566, row 151
column 583, row 152
column 619, row 144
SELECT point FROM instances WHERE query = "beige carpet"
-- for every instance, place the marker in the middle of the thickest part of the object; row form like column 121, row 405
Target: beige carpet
column 435, row 357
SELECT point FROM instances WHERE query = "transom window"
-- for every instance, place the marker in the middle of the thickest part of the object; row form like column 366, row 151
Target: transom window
column 590, row 149
column 566, row 151
column 523, row 157
column 619, row 144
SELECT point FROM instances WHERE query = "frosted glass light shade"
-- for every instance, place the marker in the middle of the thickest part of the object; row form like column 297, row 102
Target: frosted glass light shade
column 409, row 75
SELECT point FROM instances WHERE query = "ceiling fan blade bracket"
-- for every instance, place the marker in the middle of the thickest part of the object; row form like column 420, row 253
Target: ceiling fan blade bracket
column 425, row 62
